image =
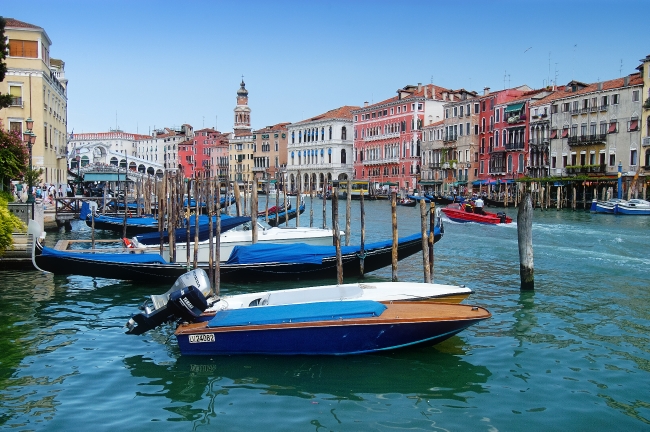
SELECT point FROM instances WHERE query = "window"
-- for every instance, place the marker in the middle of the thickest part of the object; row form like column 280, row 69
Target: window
column 455, row 111
column 574, row 130
column 633, row 156
column 612, row 159
column 633, row 125
column 481, row 169
column 554, row 109
column 447, row 113
column 476, row 129
column 603, row 128
column 635, row 96
column 553, row 161
column 476, row 108
column 355, row 118
column 613, row 127
column 460, row 111
column 497, row 119
column 460, row 130
column 23, row 48
column 16, row 93
column 615, row 99
column 391, row 111
column 565, row 107
column 604, row 101
column 564, row 161
column 565, row 132
column 583, row 129
column 554, row 134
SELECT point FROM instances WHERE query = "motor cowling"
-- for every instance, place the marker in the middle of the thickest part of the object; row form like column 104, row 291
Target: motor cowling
column 187, row 303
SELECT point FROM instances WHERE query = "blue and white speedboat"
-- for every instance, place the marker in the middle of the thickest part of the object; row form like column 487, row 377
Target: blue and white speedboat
column 633, row 207
column 609, row 206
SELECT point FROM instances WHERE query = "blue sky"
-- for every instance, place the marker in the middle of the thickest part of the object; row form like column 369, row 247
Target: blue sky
column 164, row 63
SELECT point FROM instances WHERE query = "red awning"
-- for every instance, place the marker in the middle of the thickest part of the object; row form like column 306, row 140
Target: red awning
column 554, row 134
column 565, row 133
column 612, row 128
column 634, row 125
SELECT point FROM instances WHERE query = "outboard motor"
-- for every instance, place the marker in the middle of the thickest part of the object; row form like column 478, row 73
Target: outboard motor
column 502, row 217
column 186, row 300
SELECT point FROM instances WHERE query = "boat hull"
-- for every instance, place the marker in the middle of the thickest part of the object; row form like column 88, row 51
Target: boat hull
column 455, row 214
column 341, row 337
column 155, row 272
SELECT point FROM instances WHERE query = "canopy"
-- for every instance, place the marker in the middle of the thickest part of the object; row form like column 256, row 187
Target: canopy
column 514, row 107
column 388, row 184
column 105, row 176
column 430, row 182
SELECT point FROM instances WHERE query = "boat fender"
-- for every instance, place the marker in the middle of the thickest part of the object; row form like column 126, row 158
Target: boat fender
column 128, row 243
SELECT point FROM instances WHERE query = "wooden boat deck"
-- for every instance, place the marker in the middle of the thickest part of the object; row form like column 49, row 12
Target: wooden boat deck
column 395, row 312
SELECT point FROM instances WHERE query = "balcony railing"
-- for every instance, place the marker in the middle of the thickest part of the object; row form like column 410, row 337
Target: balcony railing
column 585, row 169
column 17, row 101
column 587, row 139
column 450, row 138
column 646, row 141
column 516, row 119
column 534, row 141
column 514, row 146
column 434, row 165
column 381, row 161
column 259, row 169
column 382, row 136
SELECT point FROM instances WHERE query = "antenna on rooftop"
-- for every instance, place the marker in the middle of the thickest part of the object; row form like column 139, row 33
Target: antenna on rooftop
column 620, row 70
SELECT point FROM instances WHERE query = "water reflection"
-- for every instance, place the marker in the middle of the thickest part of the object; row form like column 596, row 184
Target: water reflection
column 425, row 373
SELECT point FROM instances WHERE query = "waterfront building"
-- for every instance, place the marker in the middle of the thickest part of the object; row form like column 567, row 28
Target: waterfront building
column 320, row 149
column 38, row 88
column 387, row 135
column 162, row 146
column 594, row 127
column 196, row 155
column 459, row 141
column 270, row 154
column 644, row 70
column 242, row 146
column 436, row 170
column 491, row 148
column 510, row 126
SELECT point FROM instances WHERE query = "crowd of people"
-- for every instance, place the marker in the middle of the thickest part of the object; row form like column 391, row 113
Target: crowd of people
column 46, row 192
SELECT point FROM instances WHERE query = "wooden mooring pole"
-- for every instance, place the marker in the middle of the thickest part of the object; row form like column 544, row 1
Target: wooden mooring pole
column 525, row 241
column 348, row 215
column 393, row 210
column 432, row 239
column 254, row 212
column 337, row 237
column 362, row 252
column 425, row 241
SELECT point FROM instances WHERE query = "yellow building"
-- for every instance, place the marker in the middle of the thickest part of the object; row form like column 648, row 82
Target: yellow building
column 645, row 117
column 38, row 86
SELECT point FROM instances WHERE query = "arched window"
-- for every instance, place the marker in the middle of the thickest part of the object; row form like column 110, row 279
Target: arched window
column 293, row 137
column 647, row 159
column 330, row 132
column 509, row 163
column 344, row 133
column 343, row 156
column 322, row 134
column 299, row 136
column 521, row 163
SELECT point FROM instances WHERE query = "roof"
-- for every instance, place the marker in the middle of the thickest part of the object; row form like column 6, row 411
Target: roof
column 412, row 92
column 279, row 126
column 562, row 92
column 14, row 23
column 438, row 123
column 344, row 112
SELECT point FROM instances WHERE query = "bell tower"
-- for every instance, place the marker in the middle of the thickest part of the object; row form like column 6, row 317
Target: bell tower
column 242, row 111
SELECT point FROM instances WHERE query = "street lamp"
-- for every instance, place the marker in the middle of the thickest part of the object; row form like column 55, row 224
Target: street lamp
column 30, row 139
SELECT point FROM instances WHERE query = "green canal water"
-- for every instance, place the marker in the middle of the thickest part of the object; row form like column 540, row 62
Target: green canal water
column 573, row 355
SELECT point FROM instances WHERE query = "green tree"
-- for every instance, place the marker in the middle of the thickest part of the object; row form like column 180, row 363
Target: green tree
column 5, row 99
column 14, row 156
column 9, row 224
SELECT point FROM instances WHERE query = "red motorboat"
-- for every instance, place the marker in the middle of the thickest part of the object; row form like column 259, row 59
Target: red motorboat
column 466, row 212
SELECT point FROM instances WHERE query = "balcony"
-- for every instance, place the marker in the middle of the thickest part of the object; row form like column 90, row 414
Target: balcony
column 602, row 108
column 449, row 138
column 259, row 169
column 585, row 169
column 516, row 119
column 448, row 165
column 646, row 141
column 381, row 161
column 587, row 139
column 514, row 146
column 434, row 165
column 382, row 136
column 17, row 101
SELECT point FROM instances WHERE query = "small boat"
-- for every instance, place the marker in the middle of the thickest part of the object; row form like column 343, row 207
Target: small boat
column 273, row 210
column 634, row 207
column 418, row 198
column 407, row 202
column 282, row 217
column 236, row 231
column 158, row 310
column 459, row 212
column 134, row 225
column 444, row 200
column 326, row 328
column 258, row 262
column 609, row 206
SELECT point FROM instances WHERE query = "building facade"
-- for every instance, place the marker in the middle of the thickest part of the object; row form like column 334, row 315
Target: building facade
column 387, row 136
column 644, row 70
column 594, row 127
column 38, row 88
column 196, row 155
column 270, row 154
column 320, row 150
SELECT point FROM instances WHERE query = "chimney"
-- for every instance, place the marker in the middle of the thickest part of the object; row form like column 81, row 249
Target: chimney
column 444, row 96
column 426, row 92
column 626, row 81
column 419, row 86
column 486, row 91
column 600, row 86
column 365, row 104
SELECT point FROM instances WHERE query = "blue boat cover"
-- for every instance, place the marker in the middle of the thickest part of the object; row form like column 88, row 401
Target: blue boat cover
column 227, row 223
column 302, row 253
column 85, row 210
column 418, row 198
column 117, row 220
column 106, row 257
column 293, row 313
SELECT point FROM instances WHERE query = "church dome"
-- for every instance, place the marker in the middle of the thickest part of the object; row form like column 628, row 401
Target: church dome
column 242, row 90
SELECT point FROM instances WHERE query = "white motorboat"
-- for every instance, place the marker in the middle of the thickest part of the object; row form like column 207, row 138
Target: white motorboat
column 196, row 285
column 242, row 236
column 634, row 207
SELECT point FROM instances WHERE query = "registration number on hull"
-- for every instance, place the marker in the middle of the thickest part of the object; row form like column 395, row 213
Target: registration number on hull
column 201, row 338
